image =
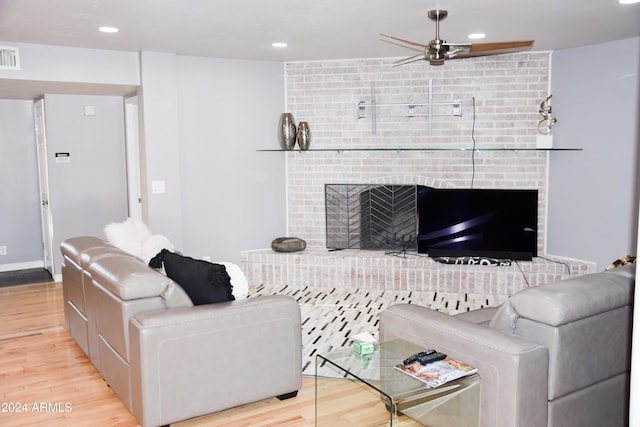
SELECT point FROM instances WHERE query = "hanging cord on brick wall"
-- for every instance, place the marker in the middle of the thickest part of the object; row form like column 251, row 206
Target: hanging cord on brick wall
column 473, row 151
column 524, row 276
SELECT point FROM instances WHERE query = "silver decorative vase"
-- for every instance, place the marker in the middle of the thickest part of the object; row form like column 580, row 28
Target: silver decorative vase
column 304, row 135
column 287, row 131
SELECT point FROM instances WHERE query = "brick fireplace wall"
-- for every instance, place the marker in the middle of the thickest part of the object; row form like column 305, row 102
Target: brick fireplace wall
column 500, row 98
column 505, row 91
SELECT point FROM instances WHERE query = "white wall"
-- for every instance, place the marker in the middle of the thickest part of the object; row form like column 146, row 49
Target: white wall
column 593, row 195
column 232, row 197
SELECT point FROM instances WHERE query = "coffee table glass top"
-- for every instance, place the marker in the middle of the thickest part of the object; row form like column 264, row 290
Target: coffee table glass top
column 371, row 368
column 400, row 392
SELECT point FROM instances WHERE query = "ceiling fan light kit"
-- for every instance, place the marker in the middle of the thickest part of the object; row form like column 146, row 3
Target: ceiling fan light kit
column 437, row 51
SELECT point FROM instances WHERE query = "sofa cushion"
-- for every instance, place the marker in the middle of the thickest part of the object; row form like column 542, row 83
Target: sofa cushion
column 203, row 281
column 128, row 277
column 573, row 299
column 481, row 316
column 628, row 270
column 504, row 318
column 174, row 296
column 92, row 254
column 75, row 246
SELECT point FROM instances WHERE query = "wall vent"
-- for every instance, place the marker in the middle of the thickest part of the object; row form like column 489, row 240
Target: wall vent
column 9, row 58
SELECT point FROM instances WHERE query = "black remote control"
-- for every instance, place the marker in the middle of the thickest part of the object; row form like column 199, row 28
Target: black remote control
column 429, row 358
column 414, row 358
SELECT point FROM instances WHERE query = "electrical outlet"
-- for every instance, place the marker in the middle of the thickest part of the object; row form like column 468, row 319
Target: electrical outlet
column 3, row 250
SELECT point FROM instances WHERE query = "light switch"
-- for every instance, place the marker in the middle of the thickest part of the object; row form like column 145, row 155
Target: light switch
column 157, row 187
column 89, row 110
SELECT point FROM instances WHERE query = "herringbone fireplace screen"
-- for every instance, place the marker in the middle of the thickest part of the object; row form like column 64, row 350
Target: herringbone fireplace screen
column 370, row 216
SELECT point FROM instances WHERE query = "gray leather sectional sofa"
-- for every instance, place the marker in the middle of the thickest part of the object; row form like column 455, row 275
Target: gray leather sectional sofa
column 166, row 359
column 556, row 355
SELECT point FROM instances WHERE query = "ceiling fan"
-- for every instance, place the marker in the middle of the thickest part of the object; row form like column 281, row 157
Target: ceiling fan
column 438, row 50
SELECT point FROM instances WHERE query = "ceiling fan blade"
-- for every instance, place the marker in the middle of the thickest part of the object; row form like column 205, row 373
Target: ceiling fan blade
column 404, row 41
column 415, row 48
column 437, row 50
column 480, row 48
column 408, row 60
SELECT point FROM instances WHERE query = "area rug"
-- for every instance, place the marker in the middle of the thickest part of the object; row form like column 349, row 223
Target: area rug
column 24, row 277
column 330, row 316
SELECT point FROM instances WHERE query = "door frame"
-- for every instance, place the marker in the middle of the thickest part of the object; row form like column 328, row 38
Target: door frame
column 46, row 216
column 132, row 146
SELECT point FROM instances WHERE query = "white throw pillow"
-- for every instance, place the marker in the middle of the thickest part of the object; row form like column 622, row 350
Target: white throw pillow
column 127, row 235
column 153, row 245
column 238, row 280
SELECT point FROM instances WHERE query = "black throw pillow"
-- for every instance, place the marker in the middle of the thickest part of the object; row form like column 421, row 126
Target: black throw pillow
column 203, row 281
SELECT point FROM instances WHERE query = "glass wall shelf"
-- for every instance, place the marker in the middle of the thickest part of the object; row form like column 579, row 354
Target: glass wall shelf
column 421, row 149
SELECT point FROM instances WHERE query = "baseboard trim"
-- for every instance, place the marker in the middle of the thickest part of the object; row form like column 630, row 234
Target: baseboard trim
column 21, row 266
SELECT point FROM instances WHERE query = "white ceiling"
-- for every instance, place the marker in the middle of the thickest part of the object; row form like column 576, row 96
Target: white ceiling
column 314, row 30
column 320, row 29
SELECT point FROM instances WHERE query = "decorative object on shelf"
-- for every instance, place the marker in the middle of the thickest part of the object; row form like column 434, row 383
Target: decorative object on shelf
column 547, row 122
column 287, row 131
column 304, row 135
column 545, row 139
column 288, row 244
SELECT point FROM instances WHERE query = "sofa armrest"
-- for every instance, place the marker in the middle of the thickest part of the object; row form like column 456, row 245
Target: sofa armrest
column 191, row 361
column 513, row 371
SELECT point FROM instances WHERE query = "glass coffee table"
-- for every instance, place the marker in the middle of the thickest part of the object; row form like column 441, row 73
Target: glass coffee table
column 374, row 393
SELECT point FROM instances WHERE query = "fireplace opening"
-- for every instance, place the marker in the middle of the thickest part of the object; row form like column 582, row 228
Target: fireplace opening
column 373, row 217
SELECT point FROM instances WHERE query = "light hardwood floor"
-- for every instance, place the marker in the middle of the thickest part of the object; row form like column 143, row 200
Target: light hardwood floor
column 46, row 380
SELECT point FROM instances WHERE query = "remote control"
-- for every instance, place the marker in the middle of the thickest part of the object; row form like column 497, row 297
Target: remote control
column 409, row 360
column 429, row 358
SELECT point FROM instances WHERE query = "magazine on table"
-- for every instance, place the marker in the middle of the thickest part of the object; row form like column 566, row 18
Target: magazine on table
column 434, row 374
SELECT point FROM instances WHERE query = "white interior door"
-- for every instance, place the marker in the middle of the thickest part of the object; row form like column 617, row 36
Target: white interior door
column 43, row 175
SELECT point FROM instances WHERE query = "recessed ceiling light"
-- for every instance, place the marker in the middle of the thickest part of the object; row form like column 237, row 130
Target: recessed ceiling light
column 279, row 44
column 108, row 29
column 628, row 1
column 476, row 36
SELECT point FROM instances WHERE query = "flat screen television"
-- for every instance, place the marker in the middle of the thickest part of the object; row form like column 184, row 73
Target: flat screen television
column 492, row 223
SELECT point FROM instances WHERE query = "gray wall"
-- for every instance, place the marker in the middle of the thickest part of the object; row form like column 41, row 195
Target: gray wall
column 233, row 197
column 90, row 190
column 202, row 121
column 160, row 145
column 58, row 64
column 593, row 194
column 20, row 227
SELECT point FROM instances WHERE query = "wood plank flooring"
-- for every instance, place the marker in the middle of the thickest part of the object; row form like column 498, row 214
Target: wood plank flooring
column 46, row 380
